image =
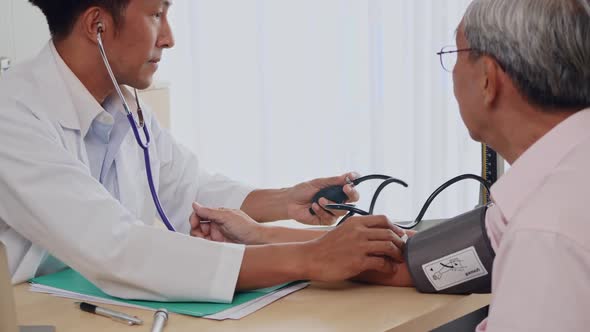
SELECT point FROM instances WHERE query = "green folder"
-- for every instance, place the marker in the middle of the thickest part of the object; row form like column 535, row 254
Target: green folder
column 72, row 281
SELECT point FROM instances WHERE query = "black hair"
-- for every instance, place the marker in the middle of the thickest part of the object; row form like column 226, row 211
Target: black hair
column 62, row 14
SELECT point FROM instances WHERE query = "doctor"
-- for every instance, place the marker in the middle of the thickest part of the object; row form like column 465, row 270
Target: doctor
column 73, row 181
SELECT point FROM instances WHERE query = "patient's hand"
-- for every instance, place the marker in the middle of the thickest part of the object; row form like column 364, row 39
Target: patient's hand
column 399, row 277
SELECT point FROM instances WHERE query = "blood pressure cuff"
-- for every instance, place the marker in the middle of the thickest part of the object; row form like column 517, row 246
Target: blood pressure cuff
column 454, row 257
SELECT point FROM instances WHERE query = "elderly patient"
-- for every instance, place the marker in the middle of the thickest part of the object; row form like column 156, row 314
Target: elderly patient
column 522, row 81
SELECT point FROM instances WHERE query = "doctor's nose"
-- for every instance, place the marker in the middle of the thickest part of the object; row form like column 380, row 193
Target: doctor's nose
column 166, row 38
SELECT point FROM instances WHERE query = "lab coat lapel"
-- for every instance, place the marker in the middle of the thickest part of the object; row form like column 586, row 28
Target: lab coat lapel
column 59, row 101
column 127, row 168
column 134, row 190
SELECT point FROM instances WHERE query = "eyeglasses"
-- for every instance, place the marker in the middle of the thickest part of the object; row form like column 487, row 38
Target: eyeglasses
column 448, row 56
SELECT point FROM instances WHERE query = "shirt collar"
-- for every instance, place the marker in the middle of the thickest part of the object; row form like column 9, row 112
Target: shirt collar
column 529, row 171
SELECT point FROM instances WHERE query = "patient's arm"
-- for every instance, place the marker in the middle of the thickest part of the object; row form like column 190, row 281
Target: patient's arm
column 399, row 277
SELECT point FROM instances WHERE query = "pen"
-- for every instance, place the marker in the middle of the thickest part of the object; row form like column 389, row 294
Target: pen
column 160, row 318
column 114, row 315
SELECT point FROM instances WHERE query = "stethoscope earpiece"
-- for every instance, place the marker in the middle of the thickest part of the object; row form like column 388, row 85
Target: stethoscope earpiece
column 99, row 28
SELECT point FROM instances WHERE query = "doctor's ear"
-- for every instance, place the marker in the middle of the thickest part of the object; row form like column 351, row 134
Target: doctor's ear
column 94, row 21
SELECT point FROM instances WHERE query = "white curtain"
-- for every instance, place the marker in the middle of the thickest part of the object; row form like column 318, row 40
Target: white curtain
column 274, row 92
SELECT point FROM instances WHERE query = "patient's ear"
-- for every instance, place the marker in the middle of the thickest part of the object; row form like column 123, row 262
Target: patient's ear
column 490, row 83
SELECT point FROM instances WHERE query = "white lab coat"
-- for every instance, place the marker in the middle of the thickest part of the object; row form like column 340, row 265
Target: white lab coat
column 50, row 203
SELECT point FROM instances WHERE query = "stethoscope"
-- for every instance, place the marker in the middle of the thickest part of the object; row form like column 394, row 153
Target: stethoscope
column 134, row 126
column 337, row 195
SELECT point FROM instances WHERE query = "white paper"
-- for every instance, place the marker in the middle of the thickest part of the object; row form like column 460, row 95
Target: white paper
column 236, row 312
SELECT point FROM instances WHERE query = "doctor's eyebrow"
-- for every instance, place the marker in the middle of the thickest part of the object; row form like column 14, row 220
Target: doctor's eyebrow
column 167, row 3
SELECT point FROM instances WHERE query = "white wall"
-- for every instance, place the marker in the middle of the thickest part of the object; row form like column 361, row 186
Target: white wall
column 23, row 30
column 273, row 92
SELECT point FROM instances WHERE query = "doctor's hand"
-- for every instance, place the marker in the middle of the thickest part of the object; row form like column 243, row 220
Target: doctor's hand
column 300, row 197
column 368, row 243
column 224, row 225
column 399, row 276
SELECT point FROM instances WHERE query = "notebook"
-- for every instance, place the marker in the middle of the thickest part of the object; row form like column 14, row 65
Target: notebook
column 70, row 284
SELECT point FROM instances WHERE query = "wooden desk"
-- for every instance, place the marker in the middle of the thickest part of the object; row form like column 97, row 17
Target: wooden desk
column 320, row 307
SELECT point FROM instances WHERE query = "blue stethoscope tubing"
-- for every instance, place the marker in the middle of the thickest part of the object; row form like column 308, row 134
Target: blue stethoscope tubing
column 144, row 146
column 148, row 169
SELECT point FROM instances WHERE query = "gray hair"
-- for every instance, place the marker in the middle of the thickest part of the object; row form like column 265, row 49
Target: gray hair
column 542, row 45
